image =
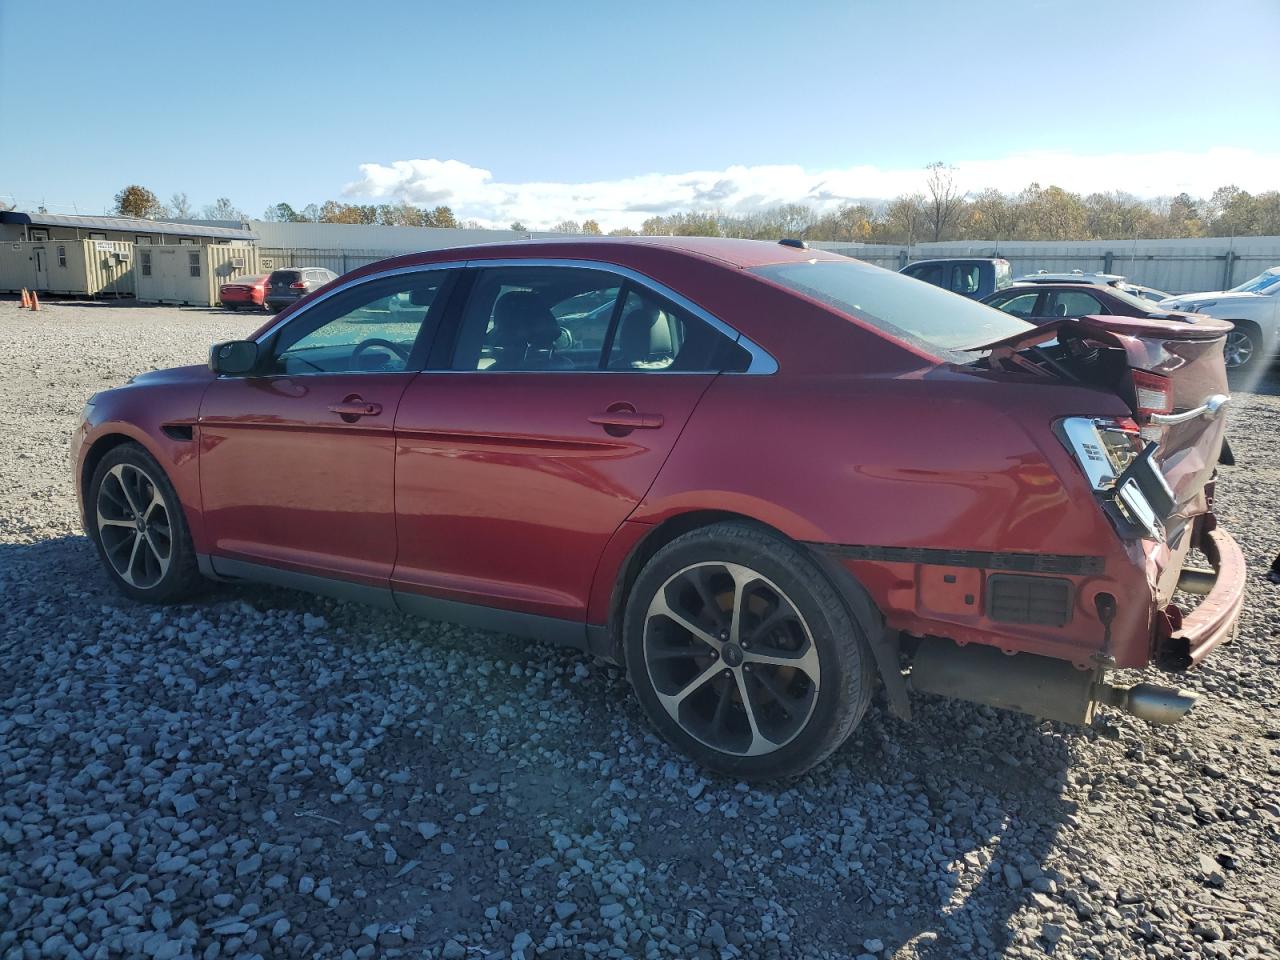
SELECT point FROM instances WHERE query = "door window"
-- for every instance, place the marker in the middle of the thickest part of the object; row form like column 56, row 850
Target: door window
column 1072, row 303
column 1018, row 304
column 383, row 326
column 537, row 318
column 929, row 273
column 572, row 318
column 653, row 334
column 965, row 278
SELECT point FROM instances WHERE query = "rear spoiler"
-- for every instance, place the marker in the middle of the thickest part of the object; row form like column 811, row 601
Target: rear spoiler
column 1115, row 328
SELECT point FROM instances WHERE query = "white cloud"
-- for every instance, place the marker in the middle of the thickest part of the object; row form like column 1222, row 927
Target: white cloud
column 473, row 193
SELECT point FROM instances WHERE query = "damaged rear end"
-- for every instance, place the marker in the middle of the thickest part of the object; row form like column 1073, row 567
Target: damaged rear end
column 1152, row 474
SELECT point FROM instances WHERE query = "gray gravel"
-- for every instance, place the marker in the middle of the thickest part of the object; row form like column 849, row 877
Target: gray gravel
column 265, row 774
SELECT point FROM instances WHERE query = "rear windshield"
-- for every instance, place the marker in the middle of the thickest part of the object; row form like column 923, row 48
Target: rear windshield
column 920, row 313
column 285, row 276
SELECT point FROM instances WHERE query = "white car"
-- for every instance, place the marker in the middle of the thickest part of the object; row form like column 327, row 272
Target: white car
column 1098, row 279
column 1254, row 307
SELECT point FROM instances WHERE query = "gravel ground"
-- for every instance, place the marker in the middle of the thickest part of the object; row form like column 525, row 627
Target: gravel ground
column 265, row 774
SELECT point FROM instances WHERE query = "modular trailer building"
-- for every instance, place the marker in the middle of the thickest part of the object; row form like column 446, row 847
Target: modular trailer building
column 189, row 275
column 95, row 256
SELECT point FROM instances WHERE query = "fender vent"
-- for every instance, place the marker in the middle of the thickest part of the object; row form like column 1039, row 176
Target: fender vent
column 1045, row 601
column 177, row 431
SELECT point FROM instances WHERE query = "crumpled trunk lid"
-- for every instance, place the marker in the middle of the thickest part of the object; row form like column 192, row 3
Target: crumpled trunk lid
column 1104, row 350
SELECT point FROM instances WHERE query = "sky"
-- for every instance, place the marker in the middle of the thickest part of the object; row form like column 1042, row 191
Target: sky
column 548, row 110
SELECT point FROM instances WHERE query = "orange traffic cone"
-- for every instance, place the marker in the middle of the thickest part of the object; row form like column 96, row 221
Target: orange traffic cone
column 26, row 299
column 35, row 301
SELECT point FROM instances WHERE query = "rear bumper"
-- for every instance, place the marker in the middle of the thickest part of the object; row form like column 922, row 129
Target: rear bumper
column 1185, row 640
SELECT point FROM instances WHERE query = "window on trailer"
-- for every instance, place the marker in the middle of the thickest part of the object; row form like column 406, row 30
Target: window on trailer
column 194, row 260
column 62, row 256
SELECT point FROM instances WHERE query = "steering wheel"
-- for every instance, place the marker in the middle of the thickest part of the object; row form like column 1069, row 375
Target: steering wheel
column 564, row 340
column 399, row 349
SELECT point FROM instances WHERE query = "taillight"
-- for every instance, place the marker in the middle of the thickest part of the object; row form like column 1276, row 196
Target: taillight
column 297, row 285
column 1118, row 461
column 1152, row 393
column 1103, row 446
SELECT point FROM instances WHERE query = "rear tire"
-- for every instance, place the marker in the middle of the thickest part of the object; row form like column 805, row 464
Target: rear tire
column 743, row 654
column 135, row 519
column 1243, row 350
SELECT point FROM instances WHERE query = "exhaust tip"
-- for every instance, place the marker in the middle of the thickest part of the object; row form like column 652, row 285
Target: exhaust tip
column 1148, row 701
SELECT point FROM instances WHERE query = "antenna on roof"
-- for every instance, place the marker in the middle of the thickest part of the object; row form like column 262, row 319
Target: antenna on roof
column 792, row 242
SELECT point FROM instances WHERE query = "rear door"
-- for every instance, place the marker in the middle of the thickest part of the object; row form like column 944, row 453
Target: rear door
column 560, row 399
column 297, row 463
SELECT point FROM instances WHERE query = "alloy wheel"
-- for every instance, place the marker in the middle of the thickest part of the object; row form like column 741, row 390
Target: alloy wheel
column 1238, row 349
column 731, row 659
column 134, row 526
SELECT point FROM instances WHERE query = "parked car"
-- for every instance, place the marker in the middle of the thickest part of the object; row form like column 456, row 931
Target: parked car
column 770, row 479
column 248, row 292
column 970, row 277
column 292, row 284
column 1040, row 302
column 1253, row 308
column 1096, row 279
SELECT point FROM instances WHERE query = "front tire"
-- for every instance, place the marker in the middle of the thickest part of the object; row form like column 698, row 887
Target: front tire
column 743, row 654
column 136, row 521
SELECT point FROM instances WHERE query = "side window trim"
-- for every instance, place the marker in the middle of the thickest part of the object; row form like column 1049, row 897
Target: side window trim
column 762, row 362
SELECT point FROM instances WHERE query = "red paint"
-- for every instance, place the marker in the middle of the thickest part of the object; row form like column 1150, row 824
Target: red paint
column 525, row 491
column 244, row 292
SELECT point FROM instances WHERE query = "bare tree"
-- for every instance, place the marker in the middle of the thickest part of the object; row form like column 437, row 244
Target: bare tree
column 945, row 199
column 180, row 207
column 224, row 209
column 905, row 216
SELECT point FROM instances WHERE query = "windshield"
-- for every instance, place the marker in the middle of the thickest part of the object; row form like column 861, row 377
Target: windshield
column 920, row 313
column 1262, row 283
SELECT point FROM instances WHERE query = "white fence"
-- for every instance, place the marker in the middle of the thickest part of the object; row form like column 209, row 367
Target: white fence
column 1176, row 266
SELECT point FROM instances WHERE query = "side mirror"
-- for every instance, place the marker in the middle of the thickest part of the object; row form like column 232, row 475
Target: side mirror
column 235, row 358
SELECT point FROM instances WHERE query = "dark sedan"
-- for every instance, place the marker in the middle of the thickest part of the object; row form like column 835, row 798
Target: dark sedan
column 285, row 287
column 1039, row 302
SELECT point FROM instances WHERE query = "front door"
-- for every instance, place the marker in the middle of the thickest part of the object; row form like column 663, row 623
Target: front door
column 297, row 462
column 566, row 391
column 42, row 268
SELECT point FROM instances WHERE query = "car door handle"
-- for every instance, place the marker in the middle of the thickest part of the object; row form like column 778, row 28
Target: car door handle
column 627, row 420
column 353, row 408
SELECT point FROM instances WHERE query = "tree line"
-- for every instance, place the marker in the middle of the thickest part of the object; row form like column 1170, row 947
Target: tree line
column 941, row 211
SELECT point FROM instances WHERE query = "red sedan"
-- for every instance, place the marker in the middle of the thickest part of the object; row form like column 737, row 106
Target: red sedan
column 247, row 292
column 766, row 479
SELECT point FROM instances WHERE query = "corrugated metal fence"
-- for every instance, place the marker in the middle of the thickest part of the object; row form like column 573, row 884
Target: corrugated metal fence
column 339, row 261
column 1176, row 266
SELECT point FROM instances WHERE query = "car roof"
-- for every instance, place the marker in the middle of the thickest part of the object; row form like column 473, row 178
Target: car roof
column 916, row 263
column 727, row 251
column 1074, row 276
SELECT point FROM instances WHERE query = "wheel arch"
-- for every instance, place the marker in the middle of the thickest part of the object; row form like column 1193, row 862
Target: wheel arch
column 99, row 448
column 858, row 602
